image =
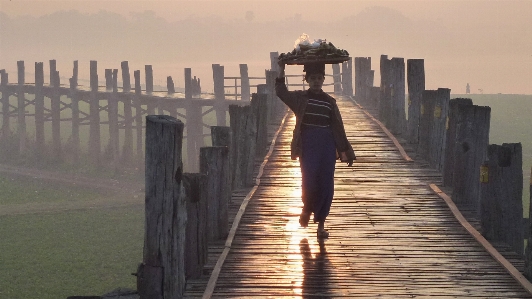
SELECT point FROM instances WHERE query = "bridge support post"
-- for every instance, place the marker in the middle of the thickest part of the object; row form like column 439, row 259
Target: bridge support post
column 214, row 163
column 21, row 105
column 501, row 200
column 470, row 148
column 219, row 94
column 40, row 143
column 245, row 89
column 6, row 131
column 196, row 250
column 454, row 121
column 244, row 132
column 416, row 86
column 162, row 272
column 94, row 107
column 437, row 128
column 261, row 109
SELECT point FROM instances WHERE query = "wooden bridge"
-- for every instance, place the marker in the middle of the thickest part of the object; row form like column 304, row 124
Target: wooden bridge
column 394, row 233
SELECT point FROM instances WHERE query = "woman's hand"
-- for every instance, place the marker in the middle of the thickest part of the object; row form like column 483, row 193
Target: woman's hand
column 343, row 158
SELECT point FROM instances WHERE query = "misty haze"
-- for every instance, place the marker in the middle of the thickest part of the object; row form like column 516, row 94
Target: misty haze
column 72, row 173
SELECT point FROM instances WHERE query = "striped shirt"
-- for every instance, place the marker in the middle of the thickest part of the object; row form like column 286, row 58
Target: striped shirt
column 318, row 112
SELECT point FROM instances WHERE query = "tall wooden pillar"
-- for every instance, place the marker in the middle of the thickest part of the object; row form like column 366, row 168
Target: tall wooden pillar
column 416, row 86
column 21, row 105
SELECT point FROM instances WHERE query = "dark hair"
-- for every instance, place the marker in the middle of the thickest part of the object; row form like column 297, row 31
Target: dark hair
column 314, row 68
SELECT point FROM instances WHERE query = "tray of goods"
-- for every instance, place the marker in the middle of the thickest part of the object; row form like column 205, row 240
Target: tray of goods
column 319, row 51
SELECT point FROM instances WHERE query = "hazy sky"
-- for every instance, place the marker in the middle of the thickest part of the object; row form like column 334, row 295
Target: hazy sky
column 485, row 43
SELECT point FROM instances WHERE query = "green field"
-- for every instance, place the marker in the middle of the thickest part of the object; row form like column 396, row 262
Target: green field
column 65, row 247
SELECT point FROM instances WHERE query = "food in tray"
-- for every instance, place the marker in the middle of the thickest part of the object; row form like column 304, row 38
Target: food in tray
column 319, row 51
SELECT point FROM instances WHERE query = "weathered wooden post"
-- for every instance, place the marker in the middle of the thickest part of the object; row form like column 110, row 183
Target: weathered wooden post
column 437, row 141
column 244, row 131
column 126, row 78
column 397, row 93
column 416, row 86
column 21, row 107
column 39, row 110
column 74, row 81
column 363, row 77
column 501, row 200
column 196, row 251
column 244, row 83
column 214, row 163
column 347, row 77
column 162, row 272
column 138, row 112
column 170, row 85
column 56, row 118
column 94, row 115
column 528, row 250
column 472, row 137
column 149, row 78
column 455, row 106
column 194, row 124
column 223, row 136
column 219, row 94
column 426, row 112
column 337, row 78
column 112, row 104
column 108, row 79
column 275, row 105
column 261, row 107
column 5, row 105
column 274, row 58
column 74, row 96
column 385, row 90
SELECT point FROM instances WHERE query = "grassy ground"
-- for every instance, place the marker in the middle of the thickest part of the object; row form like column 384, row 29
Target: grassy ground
column 55, row 253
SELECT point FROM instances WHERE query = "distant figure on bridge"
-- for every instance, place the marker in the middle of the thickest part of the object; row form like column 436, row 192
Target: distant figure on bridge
column 319, row 140
column 467, row 89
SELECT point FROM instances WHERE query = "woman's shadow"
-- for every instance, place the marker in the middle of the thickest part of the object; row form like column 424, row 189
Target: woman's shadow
column 316, row 271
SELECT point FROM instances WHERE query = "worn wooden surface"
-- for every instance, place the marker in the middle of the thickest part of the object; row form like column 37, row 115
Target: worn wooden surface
column 392, row 236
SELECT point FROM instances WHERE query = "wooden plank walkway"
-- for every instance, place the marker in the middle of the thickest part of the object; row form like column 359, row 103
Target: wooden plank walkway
column 392, row 236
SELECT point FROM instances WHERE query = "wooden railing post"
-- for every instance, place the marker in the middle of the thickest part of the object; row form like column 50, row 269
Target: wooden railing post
column 437, row 128
column 112, row 104
column 455, row 106
column 501, row 200
column 196, row 251
column 274, row 58
column 74, row 81
column 149, row 78
column 74, row 96
column 385, row 90
column 94, row 115
column 126, row 78
column 261, row 107
column 347, row 77
column 472, row 137
column 21, row 105
column 138, row 112
column 426, row 112
column 162, row 272
column 244, row 131
column 363, row 78
column 170, row 85
column 397, row 117
column 214, row 163
column 56, row 118
column 337, row 78
column 416, row 86
column 245, row 89
column 108, row 79
column 39, row 110
column 219, row 94
column 223, row 136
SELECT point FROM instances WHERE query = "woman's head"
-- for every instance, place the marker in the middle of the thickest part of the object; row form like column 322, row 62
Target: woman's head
column 314, row 75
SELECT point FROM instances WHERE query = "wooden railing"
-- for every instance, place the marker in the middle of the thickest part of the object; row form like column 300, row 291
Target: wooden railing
column 452, row 136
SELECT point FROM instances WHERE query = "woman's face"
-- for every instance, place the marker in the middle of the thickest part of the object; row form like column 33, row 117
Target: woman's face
column 315, row 81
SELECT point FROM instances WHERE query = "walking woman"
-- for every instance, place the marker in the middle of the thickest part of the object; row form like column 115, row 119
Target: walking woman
column 319, row 140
